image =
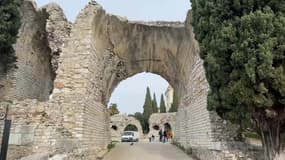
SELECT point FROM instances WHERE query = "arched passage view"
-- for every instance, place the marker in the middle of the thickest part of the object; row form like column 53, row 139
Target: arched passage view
column 131, row 127
column 133, row 105
column 58, row 94
column 121, row 123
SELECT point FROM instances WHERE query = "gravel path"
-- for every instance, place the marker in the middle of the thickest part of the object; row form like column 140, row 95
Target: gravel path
column 146, row 151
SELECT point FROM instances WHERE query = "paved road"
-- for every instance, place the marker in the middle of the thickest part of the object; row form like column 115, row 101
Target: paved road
column 146, row 151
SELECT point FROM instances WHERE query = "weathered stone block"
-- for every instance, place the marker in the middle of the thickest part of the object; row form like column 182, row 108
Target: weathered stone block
column 15, row 139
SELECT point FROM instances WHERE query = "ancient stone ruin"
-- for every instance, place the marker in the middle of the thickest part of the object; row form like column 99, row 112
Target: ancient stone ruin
column 159, row 121
column 66, row 73
column 118, row 123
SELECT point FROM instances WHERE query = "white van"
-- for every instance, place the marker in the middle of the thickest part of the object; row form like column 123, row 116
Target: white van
column 130, row 136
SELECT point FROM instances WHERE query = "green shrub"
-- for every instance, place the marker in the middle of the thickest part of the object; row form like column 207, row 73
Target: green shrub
column 111, row 146
column 252, row 135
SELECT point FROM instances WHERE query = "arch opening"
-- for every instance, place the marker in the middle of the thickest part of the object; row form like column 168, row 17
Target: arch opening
column 114, row 127
column 167, row 127
column 129, row 94
column 156, row 127
column 131, row 127
column 131, row 97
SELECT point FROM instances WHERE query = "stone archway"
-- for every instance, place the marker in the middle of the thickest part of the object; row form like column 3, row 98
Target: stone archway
column 109, row 49
column 167, row 127
column 159, row 120
column 100, row 51
column 131, row 127
column 121, row 122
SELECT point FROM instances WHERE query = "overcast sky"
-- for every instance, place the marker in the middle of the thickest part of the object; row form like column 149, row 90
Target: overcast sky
column 130, row 93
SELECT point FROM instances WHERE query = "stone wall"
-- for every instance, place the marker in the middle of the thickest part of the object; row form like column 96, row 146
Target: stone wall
column 33, row 76
column 76, row 91
column 118, row 124
column 39, row 44
column 203, row 133
column 159, row 120
column 37, row 128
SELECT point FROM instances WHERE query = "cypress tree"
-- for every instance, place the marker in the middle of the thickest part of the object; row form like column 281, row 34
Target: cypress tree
column 139, row 116
column 10, row 22
column 162, row 104
column 174, row 105
column 242, row 45
column 147, row 105
column 154, row 104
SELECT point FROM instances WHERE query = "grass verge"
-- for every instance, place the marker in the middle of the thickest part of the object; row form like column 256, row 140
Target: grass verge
column 111, row 145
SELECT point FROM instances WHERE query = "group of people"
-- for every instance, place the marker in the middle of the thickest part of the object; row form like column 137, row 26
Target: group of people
column 165, row 135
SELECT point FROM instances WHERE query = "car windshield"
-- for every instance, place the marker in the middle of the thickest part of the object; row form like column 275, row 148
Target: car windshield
column 128, row 133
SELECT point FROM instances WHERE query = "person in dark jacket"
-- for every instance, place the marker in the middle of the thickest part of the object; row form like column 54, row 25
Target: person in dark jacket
column 165, row 138
column 160, row 135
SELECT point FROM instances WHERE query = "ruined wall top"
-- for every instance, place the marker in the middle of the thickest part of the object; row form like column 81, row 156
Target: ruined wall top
column 37, row 49
column 112, row 49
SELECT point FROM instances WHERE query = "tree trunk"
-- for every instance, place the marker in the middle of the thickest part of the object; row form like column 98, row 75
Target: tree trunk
column 270, row 136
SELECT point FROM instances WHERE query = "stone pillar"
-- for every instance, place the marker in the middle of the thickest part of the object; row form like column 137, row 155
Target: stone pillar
column 78, row 90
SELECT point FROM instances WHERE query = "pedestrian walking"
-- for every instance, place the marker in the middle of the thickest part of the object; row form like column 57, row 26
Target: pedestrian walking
column 171, row 134
column 160, row 135
column 165, row 136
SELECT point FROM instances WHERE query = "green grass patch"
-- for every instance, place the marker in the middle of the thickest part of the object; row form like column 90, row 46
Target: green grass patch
column 111, row 145
column 253, row 135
